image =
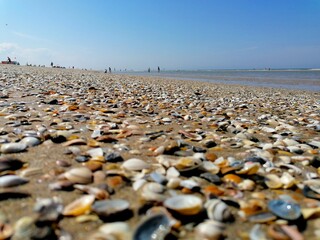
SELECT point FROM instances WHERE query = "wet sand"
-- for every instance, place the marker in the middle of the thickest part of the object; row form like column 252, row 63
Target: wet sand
column 144, row 116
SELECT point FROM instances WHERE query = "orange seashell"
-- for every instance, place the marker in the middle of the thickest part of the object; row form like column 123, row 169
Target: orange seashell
column 114, row 181
column 79, row 207
column 213, row 190
column 93, row 165
column 210, row 156
column 232, row 178
column 93, row 143
column 186, row 190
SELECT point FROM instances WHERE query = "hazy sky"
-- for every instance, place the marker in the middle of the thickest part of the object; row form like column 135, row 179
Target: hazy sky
column 174, row 34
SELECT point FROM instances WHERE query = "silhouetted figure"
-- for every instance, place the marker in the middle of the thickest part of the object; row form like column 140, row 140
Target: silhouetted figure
column 9, row 60
column 109, row 69
column 148, row 69
column 51, row 64
column 158, row 69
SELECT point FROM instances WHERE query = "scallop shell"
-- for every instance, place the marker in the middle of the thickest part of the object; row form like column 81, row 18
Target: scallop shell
column 184, row 204
column 80, row 175
column 80, row 206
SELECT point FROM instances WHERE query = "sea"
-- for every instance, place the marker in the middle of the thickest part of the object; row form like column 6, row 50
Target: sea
column 300, row 79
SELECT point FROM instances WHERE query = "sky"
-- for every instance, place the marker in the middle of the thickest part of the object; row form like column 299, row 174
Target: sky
column 172, row 34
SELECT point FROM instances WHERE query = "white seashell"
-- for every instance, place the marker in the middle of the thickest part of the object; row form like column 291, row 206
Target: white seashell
column 210, row 230
column 290, row 142
column 287, row 180
column 116, row 230
column 152, row 191
column 30, row 141
column 314, row 184
column 210, row 167
column 273, row 181
column 138, row 184
column 80, row 175
column 172, row 172
column 135, row 164
column 184, row 204
column 268, row 129
column 218, row 210
column 173, row 183
column 13, row 147
column 95, row 152
column 12, row 180
column 189, row 183
column 247, row 184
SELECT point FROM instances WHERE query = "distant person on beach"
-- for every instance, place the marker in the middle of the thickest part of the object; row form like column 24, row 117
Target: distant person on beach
column 9, row 60
column 158, row 69
column 148, row 69
column 109, row 69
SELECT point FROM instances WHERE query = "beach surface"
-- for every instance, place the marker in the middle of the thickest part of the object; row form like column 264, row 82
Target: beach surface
column 234, row 152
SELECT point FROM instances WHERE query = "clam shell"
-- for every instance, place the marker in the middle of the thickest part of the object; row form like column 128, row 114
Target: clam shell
column 80, row 175
column 135, row 164
column 152, row 191
column 118, row 230
column 218, row 210
column 273, row 181
column 153, row 227
column 284, row 209
column 30, row 141
column 109, row 207
column 184, row 204
column 80, row 206
column 10, row 163
column 12, row 180
column 211, row 230
column 13, row 147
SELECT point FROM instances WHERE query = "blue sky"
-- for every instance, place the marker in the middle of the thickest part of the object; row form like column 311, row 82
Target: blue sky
column 173, row 34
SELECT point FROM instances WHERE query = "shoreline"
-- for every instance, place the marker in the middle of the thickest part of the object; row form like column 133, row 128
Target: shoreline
column 80, row 118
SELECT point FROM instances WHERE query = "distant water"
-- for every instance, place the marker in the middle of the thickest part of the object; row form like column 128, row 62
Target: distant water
column 302, row 79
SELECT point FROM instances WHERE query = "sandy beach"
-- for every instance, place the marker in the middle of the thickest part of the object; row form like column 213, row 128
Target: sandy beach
column 244, row 159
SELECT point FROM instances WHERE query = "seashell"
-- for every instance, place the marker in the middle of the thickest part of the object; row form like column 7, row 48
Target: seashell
column 13, row 147
column 30, row 141
column 138, row 184
column 273, row 181
column 117, row 230
column 135, row 164
column 173, row 183
column 232, row 178
column 95, row 152
column 73, row 142
column 287, row 180
column 80, row 175
column 210, row 230
column 262, row 217
column 6, row 231
column 284, row 209
column 80, row 206
column 210, row 167
column 256, row 233
column 97, row 192
column 309, row 212
column 191, row 136
column 29, row 172
column 156, row 226
column 218, row 210
column 184, row 204
column 159, row 178
column 49, row 209
column 249, row 168
column 313, row 184
column 10, row 163
column 185, row 164
column 105, row 208
column 189, row 184
column 172, row 172
column 61, row 185
column 247, row 184
column 12, row 180
column 153, row 192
